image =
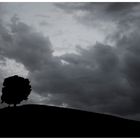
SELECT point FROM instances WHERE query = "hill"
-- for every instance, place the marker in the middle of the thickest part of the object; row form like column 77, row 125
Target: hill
column 48, row 121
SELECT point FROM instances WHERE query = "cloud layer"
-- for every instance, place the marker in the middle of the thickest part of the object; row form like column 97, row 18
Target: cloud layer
column 103, row 78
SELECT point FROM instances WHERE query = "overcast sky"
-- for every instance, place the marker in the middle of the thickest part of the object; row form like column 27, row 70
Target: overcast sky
column 79, row 55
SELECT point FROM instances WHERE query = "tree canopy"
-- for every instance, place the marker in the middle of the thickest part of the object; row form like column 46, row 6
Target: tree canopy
column 15, row 89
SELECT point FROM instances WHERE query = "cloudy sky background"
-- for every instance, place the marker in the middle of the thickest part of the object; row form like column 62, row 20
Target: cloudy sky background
column 79, row 55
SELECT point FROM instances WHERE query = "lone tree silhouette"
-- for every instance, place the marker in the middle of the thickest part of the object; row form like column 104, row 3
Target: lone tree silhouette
column 15, row 89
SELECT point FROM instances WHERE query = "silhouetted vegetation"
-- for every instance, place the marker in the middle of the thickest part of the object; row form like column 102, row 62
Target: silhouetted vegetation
column 15, row 89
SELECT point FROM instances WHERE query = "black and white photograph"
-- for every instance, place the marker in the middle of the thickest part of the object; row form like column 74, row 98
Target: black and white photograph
column 70, row 69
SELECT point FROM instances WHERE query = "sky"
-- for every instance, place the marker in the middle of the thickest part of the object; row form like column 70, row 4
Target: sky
column 76, row 55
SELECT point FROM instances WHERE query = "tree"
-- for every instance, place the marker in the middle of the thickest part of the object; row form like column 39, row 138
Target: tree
column 15, row 89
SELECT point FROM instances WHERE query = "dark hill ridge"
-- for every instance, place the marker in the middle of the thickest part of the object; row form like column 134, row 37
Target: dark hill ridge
column 49, row 121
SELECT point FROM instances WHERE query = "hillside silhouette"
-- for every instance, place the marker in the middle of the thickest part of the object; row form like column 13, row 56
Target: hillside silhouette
column 49, row 121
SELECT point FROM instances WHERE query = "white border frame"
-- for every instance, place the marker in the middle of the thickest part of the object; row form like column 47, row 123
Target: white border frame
column 69, row 1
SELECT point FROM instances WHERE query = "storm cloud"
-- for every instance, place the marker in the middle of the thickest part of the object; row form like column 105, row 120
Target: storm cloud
column 25, row 45
column 102, row 77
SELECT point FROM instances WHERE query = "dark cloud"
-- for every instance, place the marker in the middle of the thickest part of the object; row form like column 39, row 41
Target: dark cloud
column 103, row 15
column 103, row 78
column 25, row 45
column 95, row 9
column 95, row 80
